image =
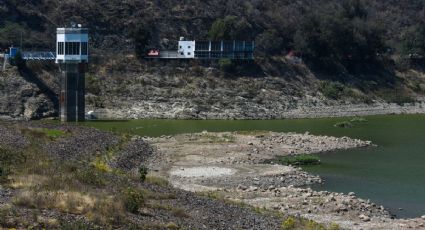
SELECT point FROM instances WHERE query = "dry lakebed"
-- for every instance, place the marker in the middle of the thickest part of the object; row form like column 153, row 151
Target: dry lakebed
column 240, row 167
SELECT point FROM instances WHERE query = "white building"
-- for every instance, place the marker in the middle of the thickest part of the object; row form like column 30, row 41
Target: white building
column 72, row 45
column 186, row 49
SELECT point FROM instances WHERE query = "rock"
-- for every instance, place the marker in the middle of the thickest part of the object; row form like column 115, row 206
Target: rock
column 364, row 218
column 423, row 217
column 242, row 187
column 351, row 194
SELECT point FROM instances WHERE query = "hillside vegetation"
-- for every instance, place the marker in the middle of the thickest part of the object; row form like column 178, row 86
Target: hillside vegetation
column 355, row 50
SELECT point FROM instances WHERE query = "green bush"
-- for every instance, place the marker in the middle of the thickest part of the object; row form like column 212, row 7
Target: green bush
column 304, row 159
column 230, row 28
column 143, row 171
column 334, row 90
column 133, row 199
column 288, row 224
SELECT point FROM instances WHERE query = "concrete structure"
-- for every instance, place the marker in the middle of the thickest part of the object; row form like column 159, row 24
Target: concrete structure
column 186, row 49
column 241, row 50
column 72, row 57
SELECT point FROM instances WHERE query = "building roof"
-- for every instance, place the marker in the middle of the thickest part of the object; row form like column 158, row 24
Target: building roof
column 72, row 30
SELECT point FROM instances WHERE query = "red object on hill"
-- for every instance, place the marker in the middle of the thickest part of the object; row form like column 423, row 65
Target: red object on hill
column 153, row 53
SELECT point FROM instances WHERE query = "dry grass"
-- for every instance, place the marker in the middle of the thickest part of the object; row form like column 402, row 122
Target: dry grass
column 64, row 201
column 156, row 180
column 27, row 181
column 100, row 208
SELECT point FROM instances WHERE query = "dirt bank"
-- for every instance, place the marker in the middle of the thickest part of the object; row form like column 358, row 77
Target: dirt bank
column 230, row 165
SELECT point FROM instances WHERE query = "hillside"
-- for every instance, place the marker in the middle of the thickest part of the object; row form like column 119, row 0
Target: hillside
column 369, row 65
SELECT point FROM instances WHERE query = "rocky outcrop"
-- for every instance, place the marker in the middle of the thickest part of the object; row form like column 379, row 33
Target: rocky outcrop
column 23, row 96
column 187, row 92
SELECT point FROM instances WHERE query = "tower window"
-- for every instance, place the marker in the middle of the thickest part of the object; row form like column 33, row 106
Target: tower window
column 61, row 48
column 72, row 48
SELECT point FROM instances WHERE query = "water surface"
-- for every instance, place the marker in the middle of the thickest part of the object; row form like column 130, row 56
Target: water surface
column 392, row 174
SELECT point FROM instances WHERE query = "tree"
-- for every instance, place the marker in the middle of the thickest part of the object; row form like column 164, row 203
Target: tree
column 339, row 35
column 230, row 28
column 414, row 40
column 142, row 36
column 270, row 42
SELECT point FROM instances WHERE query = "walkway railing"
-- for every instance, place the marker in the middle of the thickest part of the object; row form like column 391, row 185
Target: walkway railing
column 38, row 55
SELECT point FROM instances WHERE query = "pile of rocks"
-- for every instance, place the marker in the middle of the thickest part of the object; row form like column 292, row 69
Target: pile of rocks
column 306, row 143
column 132, row 155
column 80, row 143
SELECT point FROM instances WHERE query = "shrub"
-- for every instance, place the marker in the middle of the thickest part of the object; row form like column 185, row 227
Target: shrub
column 288, row 224
column 90, row 176
column 143, row 171
column 334, row 226
column 133, row 199
column 333, row 90
column 156, row 180
column 172, row 225
column 304, row 159
column 179, row 212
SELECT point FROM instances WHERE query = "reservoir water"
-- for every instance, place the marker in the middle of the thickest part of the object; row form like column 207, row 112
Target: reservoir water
column 392, row 174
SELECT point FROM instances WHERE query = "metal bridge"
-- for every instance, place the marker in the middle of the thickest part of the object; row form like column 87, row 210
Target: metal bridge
column 40, row 56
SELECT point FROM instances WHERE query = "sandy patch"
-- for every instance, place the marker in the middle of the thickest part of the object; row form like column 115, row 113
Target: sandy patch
column 201, row 172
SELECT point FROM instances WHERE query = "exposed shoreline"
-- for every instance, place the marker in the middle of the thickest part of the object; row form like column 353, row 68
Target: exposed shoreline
column 166, row 110
column 230, row 164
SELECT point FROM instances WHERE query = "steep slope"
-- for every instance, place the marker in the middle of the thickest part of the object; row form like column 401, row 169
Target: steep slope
column 121, row 86
column 27, row 95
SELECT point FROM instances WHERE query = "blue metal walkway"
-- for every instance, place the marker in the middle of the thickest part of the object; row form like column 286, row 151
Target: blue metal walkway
column 36, row 55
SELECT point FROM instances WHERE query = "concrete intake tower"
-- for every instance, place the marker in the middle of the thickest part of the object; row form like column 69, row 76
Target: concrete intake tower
column 72, row 57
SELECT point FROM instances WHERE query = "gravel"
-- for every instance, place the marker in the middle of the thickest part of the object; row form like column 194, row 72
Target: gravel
column 134, row 154
column 11, row 137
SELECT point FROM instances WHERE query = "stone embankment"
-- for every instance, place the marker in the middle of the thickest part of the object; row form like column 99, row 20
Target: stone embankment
column 233, row 165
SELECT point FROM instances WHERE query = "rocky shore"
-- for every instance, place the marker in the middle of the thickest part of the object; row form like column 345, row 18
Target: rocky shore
column 232, row 165
column 250, row 110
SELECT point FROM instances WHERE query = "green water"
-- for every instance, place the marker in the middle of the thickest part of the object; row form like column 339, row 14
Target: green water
column 392, row 174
